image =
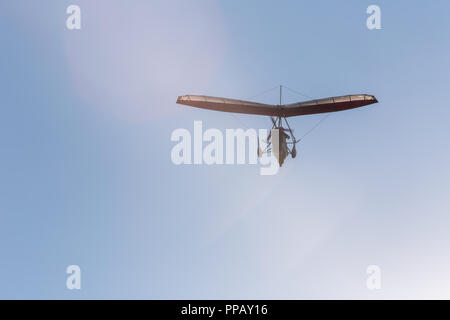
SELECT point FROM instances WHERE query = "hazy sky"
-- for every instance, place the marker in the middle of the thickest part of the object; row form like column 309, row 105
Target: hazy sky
column 86, row 176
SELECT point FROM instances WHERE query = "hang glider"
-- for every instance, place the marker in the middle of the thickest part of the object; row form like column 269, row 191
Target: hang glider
column 325, row 105
column 282, row 148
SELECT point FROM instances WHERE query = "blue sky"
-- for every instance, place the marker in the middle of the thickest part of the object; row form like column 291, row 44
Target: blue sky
column 86, row 175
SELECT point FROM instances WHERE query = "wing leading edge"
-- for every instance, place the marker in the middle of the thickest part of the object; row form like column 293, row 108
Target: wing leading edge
column 332, row 104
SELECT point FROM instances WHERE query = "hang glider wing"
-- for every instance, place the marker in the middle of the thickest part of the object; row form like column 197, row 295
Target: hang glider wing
column 228, row 105
column 332, row 104
column 296, row 109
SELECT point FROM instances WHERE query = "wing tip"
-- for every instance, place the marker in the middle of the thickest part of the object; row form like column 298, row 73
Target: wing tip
column 180, row 99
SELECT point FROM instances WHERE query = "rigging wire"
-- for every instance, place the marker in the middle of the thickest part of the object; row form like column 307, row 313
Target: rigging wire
column 263, row 92
column 242, row 122
column 297, row 92
column 250, row 98
column 294, row 91
column 314, row 127
column 317, row 123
